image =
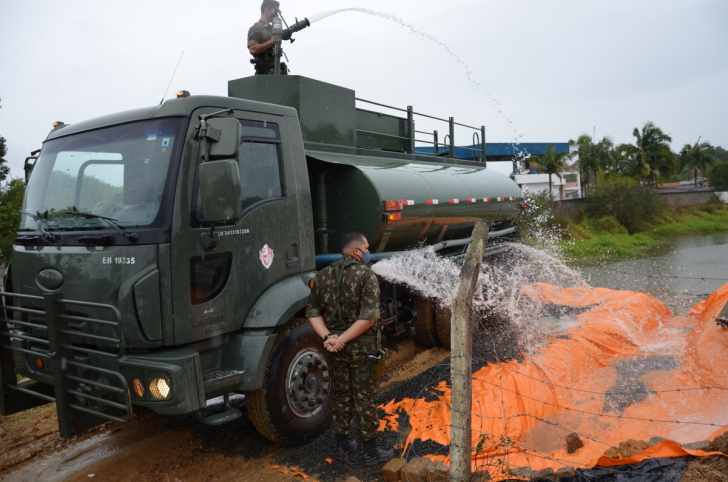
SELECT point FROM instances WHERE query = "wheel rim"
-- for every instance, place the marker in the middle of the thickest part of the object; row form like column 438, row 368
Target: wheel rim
column 309, row 382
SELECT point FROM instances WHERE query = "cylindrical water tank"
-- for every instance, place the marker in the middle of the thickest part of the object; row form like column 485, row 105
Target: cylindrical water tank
column 426, row 202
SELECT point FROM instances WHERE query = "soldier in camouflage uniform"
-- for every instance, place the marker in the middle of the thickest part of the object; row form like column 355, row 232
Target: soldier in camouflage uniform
column 260, row 40
column 343, row 308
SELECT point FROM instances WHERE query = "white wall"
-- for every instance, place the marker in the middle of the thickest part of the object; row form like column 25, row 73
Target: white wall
column 538, row 183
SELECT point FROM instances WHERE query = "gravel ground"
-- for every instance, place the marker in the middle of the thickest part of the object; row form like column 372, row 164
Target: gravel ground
column 239, row 439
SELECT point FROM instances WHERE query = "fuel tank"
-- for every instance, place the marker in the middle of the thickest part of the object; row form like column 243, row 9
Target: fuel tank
column 405, row 204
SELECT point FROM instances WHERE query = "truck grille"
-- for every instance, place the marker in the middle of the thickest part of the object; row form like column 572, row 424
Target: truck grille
column 75, row 339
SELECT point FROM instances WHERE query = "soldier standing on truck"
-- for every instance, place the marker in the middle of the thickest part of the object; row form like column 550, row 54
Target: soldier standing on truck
column 260, row 40
column 343, row 308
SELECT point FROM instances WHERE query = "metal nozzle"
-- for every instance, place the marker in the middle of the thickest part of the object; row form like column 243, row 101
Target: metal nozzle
column 295, row 28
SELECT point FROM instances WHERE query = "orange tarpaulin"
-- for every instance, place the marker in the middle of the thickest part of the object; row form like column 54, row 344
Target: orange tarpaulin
column 625, row 369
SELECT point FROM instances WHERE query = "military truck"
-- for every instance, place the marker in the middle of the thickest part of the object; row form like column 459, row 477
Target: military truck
column 165, row 254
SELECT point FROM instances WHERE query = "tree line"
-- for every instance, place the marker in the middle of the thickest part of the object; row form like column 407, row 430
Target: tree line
column 649, row 160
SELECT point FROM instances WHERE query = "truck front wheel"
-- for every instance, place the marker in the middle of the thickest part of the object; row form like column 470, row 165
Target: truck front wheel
column 294, row 405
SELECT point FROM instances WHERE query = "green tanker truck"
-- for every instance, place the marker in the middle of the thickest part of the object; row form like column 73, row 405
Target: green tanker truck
column 165, row 254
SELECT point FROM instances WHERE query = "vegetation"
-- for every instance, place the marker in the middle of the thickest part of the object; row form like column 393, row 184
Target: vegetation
column 552, row 163
column 4, row 169
column 11, row 200
column 719, row 176
column 624, row 200
column 697, row 158
column 602, row 241
column 622, row 215
column 594, row 158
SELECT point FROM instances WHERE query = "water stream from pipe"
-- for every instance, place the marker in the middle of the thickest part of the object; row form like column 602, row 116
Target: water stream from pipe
column 475, row 84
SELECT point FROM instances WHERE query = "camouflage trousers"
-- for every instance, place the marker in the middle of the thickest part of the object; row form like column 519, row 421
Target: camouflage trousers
column 354, row 392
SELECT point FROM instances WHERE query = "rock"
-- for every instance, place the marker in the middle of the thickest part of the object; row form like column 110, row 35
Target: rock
column 548, row 473
column 612, row 452
column 573, row 443
column 699, row 445
column 352, row 479
column 522, row 472
column 656, row 440
column 632, row 447
column 720, row 443
column 392, row 469
column 2, row 432
column 564, row 472
column 415, row 470
column 481, row 476
column 438, row 472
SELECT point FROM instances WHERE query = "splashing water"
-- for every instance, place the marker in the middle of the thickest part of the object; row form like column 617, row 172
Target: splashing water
column 498, row 292
column 425, row 36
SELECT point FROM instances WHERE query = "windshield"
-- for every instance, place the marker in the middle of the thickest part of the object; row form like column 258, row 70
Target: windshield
column 120, row 172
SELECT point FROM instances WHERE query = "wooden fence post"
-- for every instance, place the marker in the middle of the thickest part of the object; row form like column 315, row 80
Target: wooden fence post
column 461, row 356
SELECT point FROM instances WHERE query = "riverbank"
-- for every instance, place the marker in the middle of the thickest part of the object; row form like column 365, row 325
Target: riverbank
column 606, row 241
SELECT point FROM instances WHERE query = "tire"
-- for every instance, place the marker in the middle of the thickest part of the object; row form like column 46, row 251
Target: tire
column 442, row 321
column 424, row 322
column 294, row 405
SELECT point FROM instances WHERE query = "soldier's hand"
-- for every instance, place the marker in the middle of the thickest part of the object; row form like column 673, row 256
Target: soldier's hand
column 331, row 342
column 338, row 346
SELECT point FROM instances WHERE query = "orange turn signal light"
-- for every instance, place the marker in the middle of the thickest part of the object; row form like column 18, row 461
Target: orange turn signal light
column 39, row 363
column 311, row 282
column 392, row 217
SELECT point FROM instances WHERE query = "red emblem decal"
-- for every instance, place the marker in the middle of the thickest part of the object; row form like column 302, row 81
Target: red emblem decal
column 266, row 256
column 394, row 205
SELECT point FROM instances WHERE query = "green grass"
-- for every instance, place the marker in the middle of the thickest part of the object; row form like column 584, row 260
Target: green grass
column 602, row 241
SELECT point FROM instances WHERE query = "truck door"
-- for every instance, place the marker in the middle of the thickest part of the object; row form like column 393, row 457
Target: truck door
column 215, row 283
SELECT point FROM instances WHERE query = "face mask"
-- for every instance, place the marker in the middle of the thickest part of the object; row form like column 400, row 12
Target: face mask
column 366, row 257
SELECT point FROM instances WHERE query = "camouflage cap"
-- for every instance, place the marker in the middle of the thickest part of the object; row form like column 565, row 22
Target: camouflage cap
column 269, row 4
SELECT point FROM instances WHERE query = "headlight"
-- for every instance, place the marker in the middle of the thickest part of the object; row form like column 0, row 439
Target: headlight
column 159, row 388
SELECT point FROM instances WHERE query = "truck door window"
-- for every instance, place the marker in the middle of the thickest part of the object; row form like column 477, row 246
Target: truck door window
column 261, row 166
column 260, row 162
column 260, row 173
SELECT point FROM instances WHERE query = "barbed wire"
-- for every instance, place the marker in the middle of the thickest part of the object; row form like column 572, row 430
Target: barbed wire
column 604, row 393
column 524, row 449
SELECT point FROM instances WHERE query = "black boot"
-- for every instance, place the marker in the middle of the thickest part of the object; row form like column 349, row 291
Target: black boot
column 344, row 446
column 374, row 455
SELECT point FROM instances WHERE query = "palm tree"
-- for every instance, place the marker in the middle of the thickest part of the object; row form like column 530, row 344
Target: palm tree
column 650, row 157
column 593, row 158
column 697, row 158
column 552, row 163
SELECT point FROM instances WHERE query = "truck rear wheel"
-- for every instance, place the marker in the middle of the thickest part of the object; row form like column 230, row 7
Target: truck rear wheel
column 425, row 328
column 443, row 316
column 294, row 405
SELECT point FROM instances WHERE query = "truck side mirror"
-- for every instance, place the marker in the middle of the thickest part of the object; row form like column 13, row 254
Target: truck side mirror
column 223, row 137
column 220, row 191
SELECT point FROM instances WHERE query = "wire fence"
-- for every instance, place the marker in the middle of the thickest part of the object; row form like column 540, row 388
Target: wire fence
column 493, row 452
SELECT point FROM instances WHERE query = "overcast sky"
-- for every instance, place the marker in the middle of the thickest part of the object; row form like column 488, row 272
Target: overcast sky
column 530, row 71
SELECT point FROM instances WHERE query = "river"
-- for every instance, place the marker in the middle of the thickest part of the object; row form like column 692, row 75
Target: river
column 680, row 274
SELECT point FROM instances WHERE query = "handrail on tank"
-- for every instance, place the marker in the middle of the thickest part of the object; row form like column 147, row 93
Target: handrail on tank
column 480, row 132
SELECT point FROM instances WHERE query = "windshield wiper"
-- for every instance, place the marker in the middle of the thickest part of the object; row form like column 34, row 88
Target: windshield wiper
column 133, row 237
column 50, row 237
